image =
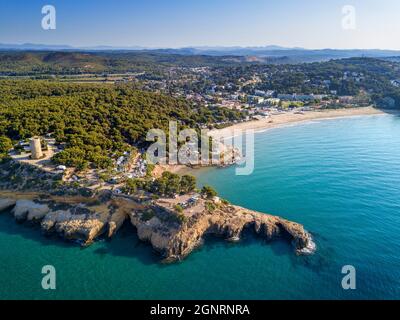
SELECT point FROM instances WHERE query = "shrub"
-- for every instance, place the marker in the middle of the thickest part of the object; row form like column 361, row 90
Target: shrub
column 178, row 208
column 182, row 218
column 5, row 145
column 224, row 201
column 147, row 215
column 130, row 186
column 210, row 206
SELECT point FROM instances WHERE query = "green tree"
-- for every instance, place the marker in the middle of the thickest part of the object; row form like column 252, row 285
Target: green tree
column 208, row 192
column 149, row 169
column 130, row 186
column 187, row 183
column 172, row 183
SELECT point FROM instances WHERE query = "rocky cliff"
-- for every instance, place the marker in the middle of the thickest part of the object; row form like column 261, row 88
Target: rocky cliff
column 173, row 234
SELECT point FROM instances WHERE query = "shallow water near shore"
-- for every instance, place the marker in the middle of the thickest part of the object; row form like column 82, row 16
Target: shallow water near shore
column 340, row 178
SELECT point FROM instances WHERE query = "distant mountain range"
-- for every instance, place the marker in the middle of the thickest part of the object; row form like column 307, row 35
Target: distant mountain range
column 46, row 47
column 292, row 55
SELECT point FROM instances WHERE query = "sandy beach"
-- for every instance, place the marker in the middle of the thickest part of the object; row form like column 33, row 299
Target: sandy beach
column 274, row 121
column 282, row 119
column 160, row 168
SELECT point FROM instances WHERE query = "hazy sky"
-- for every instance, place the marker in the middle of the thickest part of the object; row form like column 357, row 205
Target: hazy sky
column 179, row 23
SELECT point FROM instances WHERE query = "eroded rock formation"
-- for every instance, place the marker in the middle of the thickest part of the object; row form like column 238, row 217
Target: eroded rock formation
column 173, row 234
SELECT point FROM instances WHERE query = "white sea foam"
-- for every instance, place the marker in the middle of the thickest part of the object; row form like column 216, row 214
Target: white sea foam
column 310, row 248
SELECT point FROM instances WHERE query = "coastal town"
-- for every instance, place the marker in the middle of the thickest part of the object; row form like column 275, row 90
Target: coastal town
column 248, row 91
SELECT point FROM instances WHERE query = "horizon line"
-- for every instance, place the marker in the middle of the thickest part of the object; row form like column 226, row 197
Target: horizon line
column 204, row 47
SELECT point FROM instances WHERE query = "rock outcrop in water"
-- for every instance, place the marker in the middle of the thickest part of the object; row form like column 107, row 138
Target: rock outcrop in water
column 174, row 235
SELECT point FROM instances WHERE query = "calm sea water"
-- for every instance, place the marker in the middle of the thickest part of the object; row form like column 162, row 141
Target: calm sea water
column 340, row 178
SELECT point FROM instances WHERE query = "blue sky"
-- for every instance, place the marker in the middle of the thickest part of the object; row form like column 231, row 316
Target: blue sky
column 180, row 23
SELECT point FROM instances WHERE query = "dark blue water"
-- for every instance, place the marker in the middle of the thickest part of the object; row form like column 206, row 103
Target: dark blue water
column 340, row 178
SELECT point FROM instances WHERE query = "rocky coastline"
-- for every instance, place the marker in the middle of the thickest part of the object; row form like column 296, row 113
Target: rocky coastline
column 155, row 223
column 173, row 229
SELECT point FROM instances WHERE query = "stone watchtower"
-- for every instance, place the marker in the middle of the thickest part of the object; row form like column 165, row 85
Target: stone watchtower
column 36, row 148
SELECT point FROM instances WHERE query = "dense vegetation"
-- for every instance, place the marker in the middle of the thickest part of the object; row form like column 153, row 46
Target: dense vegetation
column 169, row 184
column 93, row 121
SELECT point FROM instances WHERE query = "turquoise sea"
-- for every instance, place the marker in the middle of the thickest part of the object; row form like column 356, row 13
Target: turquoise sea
column 340, row 178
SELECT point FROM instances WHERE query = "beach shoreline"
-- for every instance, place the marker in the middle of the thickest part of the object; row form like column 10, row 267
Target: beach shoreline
column 283, row 119
column 278, row 121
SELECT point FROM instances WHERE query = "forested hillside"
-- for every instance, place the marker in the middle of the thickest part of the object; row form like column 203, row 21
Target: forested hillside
column 33, row 63
column 93, row 120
